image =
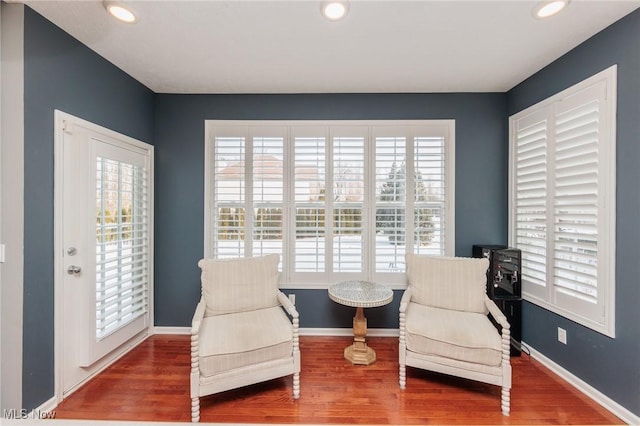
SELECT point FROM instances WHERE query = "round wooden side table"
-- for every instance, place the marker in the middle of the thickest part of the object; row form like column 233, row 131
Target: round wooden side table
column 360, row 295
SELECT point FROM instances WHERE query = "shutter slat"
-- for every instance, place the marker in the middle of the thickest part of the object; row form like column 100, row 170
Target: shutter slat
column 118, row 322
column 135, row 301
column 106, row 285
column 117, row 319
column 126, row 264
column 104, row 253
column 577, row 268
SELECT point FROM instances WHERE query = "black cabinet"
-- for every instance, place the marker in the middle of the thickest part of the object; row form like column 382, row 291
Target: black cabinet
column 512, row 309
column 504, row 286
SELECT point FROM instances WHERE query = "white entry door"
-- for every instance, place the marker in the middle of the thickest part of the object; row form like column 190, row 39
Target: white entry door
column 104, row 206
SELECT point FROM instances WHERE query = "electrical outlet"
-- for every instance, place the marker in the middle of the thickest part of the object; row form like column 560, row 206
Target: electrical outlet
column 292, row 298
column 562, row 335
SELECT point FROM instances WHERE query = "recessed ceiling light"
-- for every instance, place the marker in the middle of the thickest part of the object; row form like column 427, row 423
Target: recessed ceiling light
column 546, row 9
column 120, row 11
column 334, row 10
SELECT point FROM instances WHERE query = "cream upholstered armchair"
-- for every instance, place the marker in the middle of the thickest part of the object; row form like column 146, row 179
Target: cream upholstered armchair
column 240, row 333
column 444, row 323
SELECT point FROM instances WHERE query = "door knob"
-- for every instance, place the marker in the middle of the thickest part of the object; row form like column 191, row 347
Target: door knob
column 73, row 270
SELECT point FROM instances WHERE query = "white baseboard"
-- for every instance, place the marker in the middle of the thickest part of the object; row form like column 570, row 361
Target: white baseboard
column 45, row 410
column 600, row 398
column 171, row 330
column 49, row 405
column 372, row 332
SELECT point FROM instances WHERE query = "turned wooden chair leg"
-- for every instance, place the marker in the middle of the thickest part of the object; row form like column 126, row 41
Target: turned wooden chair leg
column 195, row 410
column 296, row 385
column 506, row 401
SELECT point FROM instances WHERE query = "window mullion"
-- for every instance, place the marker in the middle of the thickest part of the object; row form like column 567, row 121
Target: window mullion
column 409, row 215
column 248, row 196
column 369, row 217
column 550, row 204
column 288, row 206
column 449, row 217
column 328, row 203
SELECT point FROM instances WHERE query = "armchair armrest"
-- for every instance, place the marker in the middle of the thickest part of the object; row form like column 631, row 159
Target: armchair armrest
column 295, row 322
column 406, row 298
column 402, row 330
column 505, row 335
column 197, row 317
column 287, row 305
column 496, row 313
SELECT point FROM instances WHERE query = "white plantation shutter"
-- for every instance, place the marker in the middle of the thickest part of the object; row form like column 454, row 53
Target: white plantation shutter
column 309, row 201
column 348, row 202
column 563, row 202
column 336, row 199
column 430, row 190
column 246, row 174
column 122, row 243
column 391, row 200
column 576, row 201
column 229, row 196
column 267, row 173
column 530, row 233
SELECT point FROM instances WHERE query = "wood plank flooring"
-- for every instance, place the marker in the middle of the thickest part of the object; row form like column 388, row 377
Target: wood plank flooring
column 151, row 383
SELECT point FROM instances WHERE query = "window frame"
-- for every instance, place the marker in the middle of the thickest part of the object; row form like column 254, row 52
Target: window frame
column 601, row 318
column 410, row 128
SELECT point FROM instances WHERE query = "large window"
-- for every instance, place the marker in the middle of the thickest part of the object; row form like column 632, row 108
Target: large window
column 337, row 200
column 562, row 197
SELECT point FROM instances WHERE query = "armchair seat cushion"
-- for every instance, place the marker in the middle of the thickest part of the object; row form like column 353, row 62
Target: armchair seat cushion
column 464, row 336
column 236, row 340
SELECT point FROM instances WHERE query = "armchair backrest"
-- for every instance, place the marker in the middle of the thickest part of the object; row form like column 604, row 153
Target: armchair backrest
column 239, row 284
column 457, row 283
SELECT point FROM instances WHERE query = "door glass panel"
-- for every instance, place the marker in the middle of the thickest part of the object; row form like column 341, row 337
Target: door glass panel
column 121, row 244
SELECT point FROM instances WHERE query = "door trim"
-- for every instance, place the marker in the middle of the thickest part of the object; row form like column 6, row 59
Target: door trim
column 63, row 122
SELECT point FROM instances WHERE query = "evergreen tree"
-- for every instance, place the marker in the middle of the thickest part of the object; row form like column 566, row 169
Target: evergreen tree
column 392, row 219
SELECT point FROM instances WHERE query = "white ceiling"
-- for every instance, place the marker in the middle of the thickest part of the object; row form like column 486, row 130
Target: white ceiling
column 285, row 46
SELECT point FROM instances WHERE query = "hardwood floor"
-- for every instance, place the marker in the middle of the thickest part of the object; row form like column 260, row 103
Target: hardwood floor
column 151, row 383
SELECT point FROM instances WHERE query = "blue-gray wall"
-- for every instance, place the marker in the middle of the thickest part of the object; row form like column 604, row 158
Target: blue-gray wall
column 60, row 73
column 481, row 182
column 610, row 365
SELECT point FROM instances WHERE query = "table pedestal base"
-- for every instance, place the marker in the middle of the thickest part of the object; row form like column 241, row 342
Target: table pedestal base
column 359, row 352
column 358, row 355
